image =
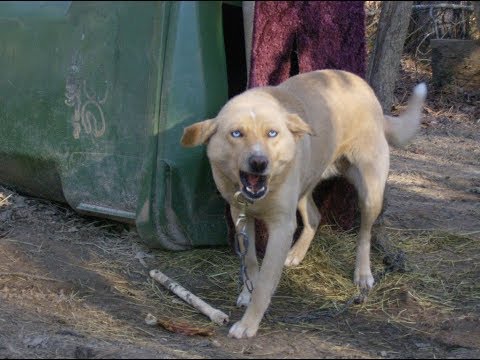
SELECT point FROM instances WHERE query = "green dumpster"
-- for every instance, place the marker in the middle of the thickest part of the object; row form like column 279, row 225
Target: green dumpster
column 94, row 97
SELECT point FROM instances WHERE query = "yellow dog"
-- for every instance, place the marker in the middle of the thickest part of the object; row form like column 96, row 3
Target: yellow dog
column 276, row 143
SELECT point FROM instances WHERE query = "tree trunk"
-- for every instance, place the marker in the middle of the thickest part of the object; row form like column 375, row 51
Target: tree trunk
column 387, row 52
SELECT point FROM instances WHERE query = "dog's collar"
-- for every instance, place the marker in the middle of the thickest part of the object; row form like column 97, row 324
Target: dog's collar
column 241, row 199
column 242, row 202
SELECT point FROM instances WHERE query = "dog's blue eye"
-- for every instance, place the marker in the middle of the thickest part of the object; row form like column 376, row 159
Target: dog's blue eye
column 272, row 133
column 236, row 134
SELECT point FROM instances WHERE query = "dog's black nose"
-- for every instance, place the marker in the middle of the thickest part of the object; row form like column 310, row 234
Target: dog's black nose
column 258, row 163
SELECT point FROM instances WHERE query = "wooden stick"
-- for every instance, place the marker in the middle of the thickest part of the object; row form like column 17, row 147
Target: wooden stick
column 217, row 316
column 5, row 199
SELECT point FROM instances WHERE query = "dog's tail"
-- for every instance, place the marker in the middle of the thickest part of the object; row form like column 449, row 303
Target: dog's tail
column 399, row 130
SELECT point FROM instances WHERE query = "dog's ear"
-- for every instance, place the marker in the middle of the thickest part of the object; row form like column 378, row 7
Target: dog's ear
column 198, row 133
column 298, row 127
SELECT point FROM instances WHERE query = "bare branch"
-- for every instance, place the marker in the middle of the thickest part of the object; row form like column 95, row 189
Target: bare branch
column 217, row 316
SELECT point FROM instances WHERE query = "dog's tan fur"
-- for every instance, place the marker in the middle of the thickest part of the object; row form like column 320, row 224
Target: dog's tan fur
column 328, row 122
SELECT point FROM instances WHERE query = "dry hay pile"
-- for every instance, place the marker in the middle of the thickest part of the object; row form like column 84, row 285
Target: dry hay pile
column 437, row 278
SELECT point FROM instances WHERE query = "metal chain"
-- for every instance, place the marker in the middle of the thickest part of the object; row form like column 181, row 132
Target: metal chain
column 241, row 240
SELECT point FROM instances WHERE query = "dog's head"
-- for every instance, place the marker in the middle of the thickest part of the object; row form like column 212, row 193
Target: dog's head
column 250, row 142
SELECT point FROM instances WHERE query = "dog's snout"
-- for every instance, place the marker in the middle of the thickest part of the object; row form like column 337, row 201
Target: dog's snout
column 258, row 163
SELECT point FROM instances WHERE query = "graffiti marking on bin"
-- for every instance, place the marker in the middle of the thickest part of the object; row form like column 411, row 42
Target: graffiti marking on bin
column 88, row 114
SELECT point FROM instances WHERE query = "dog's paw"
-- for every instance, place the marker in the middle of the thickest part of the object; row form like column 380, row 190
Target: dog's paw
column 244, row 298
column 363, row 279
column 241, row 330
column 294, row 257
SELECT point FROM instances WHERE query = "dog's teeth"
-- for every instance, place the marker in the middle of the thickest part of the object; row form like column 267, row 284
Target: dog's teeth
column 262, row 189
column 249, row 189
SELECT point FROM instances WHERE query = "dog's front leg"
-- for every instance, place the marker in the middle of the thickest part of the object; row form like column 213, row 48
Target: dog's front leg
column 280, row 239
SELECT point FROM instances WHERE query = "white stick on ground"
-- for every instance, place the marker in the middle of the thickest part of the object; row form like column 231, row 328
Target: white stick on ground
column 217, row 316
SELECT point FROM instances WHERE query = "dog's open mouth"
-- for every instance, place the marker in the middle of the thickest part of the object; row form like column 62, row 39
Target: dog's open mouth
column 254, row 185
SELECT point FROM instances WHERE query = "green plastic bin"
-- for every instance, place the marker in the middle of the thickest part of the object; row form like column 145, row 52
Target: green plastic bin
column 94, row 97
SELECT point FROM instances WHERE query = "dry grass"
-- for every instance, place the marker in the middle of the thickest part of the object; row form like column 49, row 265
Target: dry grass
column 441, row 275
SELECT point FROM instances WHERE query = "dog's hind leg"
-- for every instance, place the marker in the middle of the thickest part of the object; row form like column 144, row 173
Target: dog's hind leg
column 369, row 178
column 311, row 219
column 250, row 259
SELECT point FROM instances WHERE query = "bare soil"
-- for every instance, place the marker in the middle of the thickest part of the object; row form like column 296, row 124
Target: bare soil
column 78, row 287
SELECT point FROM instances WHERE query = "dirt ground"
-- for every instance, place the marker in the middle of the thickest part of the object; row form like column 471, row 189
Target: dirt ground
column 77, row 287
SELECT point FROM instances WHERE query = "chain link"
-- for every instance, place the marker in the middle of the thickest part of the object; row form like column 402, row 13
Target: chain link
column 242, row 241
